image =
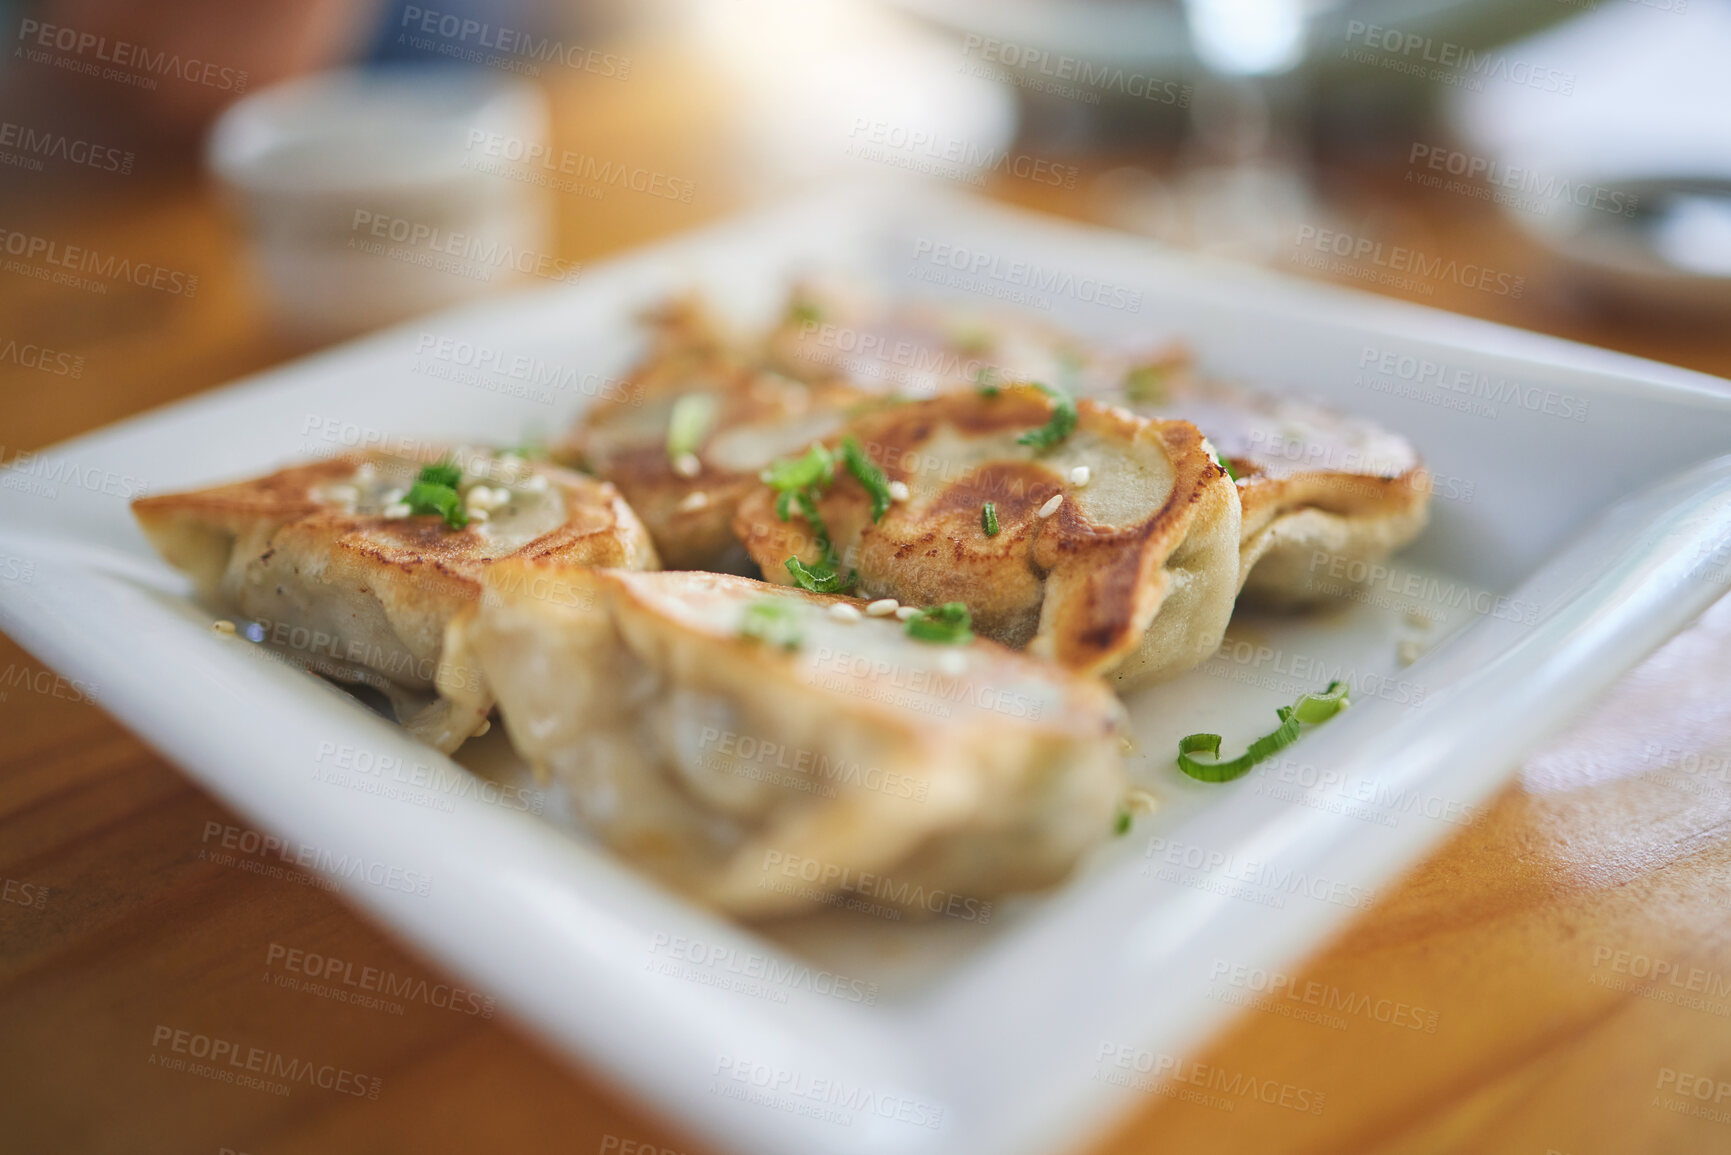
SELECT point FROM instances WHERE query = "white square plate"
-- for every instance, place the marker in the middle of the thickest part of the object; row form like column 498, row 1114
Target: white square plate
column 1029, row 1030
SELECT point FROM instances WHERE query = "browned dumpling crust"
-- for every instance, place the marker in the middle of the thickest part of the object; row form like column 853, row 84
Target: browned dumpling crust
column 752, row 416
column 328, row 563
column 1116, row 550
column 1313, row 483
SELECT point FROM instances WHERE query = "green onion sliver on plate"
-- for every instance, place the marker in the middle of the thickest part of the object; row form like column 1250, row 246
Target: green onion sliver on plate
column 1310, row 709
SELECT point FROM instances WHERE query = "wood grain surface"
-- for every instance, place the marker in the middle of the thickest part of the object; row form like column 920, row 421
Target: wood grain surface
column 1556, row 979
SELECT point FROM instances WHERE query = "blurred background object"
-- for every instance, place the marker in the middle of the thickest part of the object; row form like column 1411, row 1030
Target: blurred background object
column 371, row 196
column 1463, row 131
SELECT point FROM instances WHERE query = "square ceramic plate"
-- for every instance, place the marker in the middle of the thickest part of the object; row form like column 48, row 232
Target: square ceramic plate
column 1026, row 1026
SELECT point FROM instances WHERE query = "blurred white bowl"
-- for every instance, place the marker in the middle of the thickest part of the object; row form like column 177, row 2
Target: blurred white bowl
column 371, row 196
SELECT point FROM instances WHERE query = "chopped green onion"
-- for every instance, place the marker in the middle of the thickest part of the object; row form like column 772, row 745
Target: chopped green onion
column 772, row 620
column 807, row 502
column 819, row 579
column 1146, row 384
column 868, row 475
column 1310, row 709
column 1121, row 821
column 989, row 518
column 693, row 414
column 446, row 473
column 1059, row 426
column 1225, row 464
column 432, row 497
column 948, row 624
column 815, row 467
column 804, row 311
column 985, row 377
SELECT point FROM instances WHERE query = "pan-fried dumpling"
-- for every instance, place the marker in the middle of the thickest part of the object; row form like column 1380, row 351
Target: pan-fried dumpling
column 1115, row 548
column 334, row 569
column 700, row 420
column 770, row 751
column 1313, row 483
column 834, row 330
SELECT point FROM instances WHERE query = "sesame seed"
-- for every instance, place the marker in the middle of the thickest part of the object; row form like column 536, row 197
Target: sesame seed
column 366, row 472
column 392, row 496
column 1052, row 504
column 1407, row 652
column 687, row 465
column 537, row 483
column 898, row 490
column 486, row 724
column 397, row 509
column 694, row 501
column 1080, row 475
column 842, row 612
column 224, row 626
column 476, row 515
column 903, row 613
column 883, row 607
column 952, row 662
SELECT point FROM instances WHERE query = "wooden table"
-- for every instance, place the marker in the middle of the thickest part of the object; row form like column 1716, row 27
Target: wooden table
column 1521, row 941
